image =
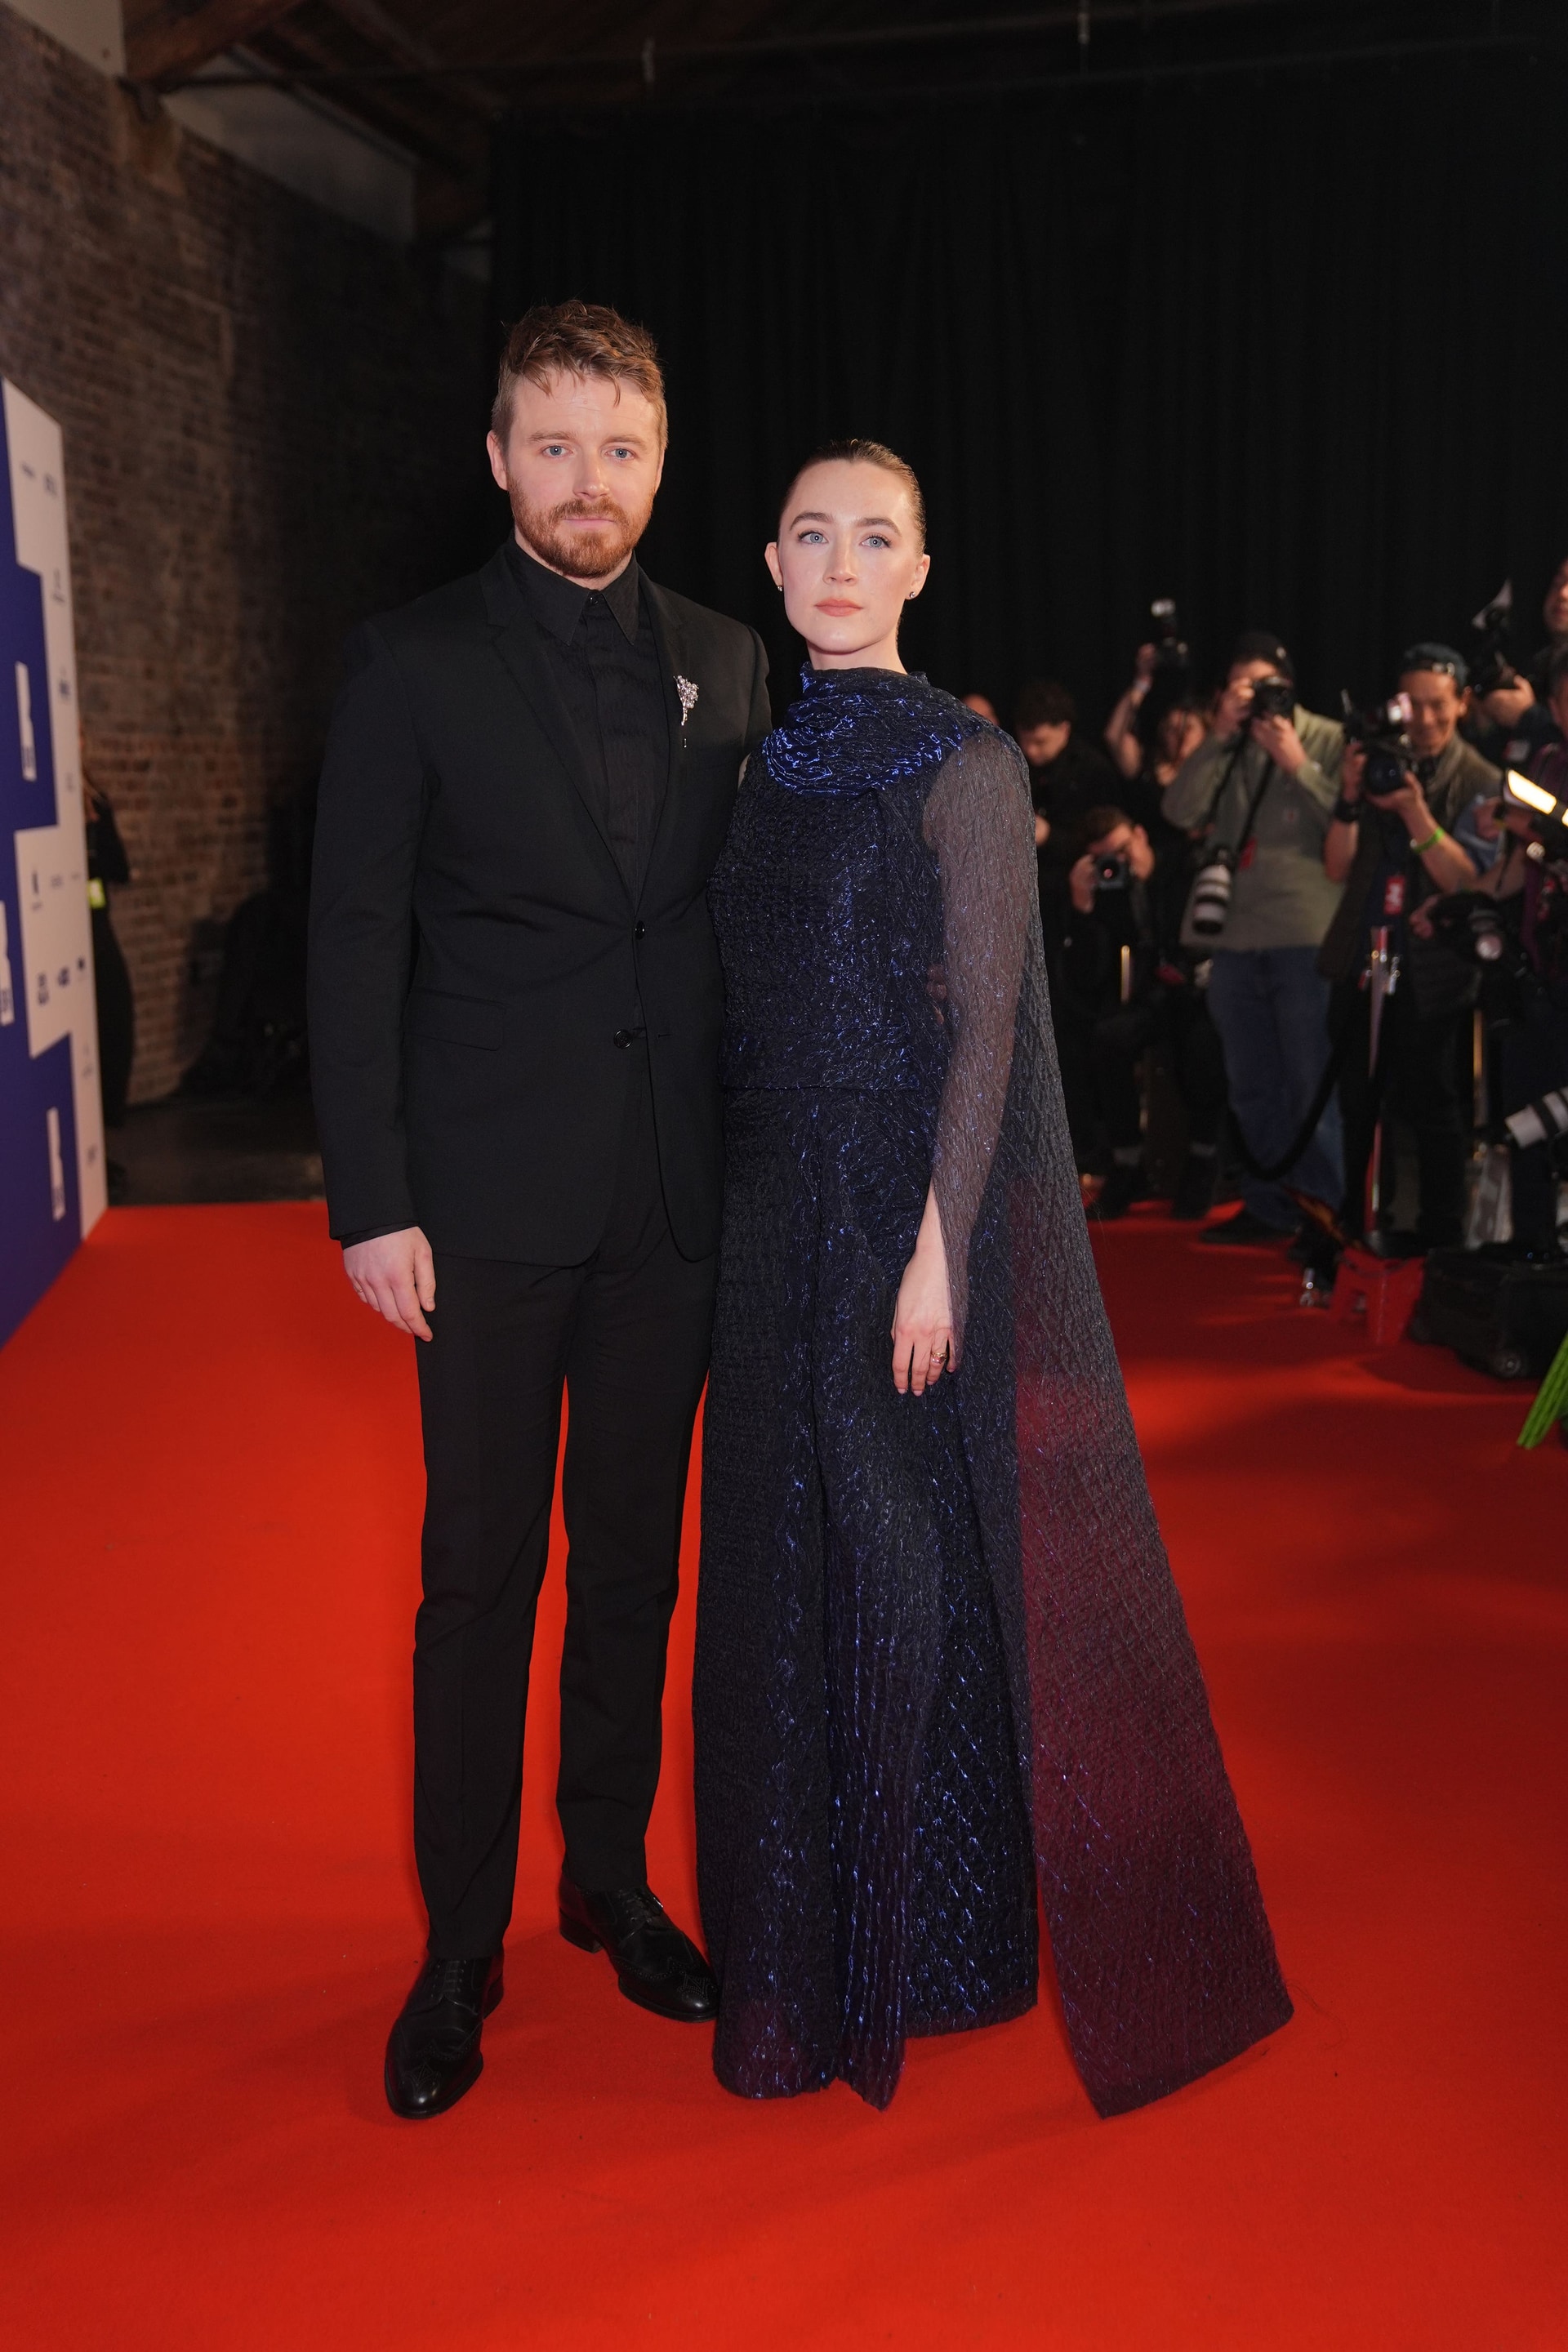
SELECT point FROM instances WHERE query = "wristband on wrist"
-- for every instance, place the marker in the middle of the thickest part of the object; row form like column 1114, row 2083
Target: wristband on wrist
column 1432, row 838
column 1347, row 812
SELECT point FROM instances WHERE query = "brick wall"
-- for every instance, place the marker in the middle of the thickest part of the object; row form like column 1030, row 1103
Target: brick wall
column 272, row 425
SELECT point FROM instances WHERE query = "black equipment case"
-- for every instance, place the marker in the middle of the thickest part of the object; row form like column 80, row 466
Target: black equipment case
column 1504, row 1315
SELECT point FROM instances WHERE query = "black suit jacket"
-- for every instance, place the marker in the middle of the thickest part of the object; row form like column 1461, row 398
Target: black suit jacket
column 475, row 953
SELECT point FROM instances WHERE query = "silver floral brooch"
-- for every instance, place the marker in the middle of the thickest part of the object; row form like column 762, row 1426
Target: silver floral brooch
column 687, row 694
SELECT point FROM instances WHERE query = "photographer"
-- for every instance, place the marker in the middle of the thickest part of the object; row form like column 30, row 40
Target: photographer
column 1393, row 845
column 1518, row 706
column 1514, row 926
column 1127, row 983
column 1155, row 728
column 1265, row 784
column 1068, row 777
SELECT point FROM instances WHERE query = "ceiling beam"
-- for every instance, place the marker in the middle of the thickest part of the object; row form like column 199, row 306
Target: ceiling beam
column 165, row 45
column 371, row 21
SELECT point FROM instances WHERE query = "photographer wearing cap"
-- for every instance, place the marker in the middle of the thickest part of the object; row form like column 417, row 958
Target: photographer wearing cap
column 1127, row 983
column 1264, row 784
column 1513, row 929
column 1393, row 845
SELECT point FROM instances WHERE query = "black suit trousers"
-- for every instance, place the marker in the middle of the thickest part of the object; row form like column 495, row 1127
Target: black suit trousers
column 626, row 1335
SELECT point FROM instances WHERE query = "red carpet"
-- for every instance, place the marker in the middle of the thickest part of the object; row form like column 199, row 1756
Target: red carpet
column 212, row 1493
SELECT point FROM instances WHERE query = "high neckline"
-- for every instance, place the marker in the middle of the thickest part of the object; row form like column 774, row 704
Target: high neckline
column 863, row 680
column 856, row 730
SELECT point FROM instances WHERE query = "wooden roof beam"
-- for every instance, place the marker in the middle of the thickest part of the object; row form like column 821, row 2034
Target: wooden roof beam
column 163, row 47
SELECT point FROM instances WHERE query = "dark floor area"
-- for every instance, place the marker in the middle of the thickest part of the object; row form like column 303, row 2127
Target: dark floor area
column 227, row 1148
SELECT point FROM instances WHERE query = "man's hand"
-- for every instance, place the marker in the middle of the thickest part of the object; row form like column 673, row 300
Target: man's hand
column 1352, row 769
column 1080, row 883
column 396, row 1273
column 1233, row 710
column 1042, row 830
column 922, row 1320
column 1409, row 804
column 1506, row 705
column 1280, row 740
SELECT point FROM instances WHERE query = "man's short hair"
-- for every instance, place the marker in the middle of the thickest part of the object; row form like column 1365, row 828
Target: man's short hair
column 1102, row 822
column 1044, row 702
column 577, row 339
column 1443, row 659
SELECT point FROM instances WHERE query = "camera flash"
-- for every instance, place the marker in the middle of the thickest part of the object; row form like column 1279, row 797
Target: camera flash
column 1519, row 788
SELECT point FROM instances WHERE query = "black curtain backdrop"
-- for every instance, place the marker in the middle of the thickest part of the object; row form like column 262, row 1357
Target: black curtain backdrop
column 1287, row 348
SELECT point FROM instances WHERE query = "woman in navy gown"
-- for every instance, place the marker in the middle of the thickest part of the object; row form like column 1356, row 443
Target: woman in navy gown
column 940, row 1657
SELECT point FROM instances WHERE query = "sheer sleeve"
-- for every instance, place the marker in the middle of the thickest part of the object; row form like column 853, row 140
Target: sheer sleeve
column 979, row 822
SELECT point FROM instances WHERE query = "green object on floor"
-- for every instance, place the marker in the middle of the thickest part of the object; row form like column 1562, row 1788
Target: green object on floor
column 1552, row 1400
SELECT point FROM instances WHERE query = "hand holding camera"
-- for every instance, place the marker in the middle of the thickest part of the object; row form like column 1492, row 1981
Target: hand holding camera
column 1277, row 735
column 1266, row 706
column 1080, row 884
column 1233, row 710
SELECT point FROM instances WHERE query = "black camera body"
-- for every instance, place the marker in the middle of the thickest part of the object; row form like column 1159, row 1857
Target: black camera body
column 1475, row 927
column 1489, row 664
column 1272, row 698
column 1171, row 650
column 1383, row 734
column 1111, row 873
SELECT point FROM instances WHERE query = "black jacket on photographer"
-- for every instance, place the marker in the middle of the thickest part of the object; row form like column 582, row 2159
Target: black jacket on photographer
column 1524, row 995
column 1387, row 879
column 1145, row 917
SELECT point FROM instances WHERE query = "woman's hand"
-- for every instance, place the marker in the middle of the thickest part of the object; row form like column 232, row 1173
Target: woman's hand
column 922, row 1320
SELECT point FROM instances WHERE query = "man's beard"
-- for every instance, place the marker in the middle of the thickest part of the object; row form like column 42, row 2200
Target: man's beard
column 582, row 555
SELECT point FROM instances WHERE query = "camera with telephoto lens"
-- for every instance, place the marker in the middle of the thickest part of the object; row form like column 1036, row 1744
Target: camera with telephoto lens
column 1471, row 924
column 1208, row 909
column 1110, row 873
column 1489, row 664
column 1383, row 734
column 1171, row 652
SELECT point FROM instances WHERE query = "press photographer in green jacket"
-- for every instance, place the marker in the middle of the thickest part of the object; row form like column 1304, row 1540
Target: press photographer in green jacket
column 1267, row 997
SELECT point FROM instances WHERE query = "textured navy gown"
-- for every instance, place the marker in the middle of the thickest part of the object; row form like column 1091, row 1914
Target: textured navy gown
column 940, row 1657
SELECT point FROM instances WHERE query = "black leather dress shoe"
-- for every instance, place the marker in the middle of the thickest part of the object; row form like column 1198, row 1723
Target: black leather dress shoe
column 433, row 2050
column 657, row 1966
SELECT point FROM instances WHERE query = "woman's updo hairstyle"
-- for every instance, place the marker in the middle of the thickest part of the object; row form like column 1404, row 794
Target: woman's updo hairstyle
column 862, row 453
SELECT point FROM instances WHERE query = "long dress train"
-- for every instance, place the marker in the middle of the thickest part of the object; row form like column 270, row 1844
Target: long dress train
column 940, row 1653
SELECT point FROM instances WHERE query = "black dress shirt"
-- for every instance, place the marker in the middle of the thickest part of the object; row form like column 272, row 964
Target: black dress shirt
column 602, row 652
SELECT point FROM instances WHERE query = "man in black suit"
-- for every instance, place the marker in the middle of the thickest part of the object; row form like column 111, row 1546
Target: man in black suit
column 515, row 1011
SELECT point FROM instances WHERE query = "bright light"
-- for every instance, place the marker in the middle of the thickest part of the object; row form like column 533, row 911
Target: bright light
column 1535, row 796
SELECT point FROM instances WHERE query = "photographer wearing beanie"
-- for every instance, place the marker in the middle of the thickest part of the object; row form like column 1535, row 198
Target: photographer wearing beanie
column 1264, row 784
column 1394, row 849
